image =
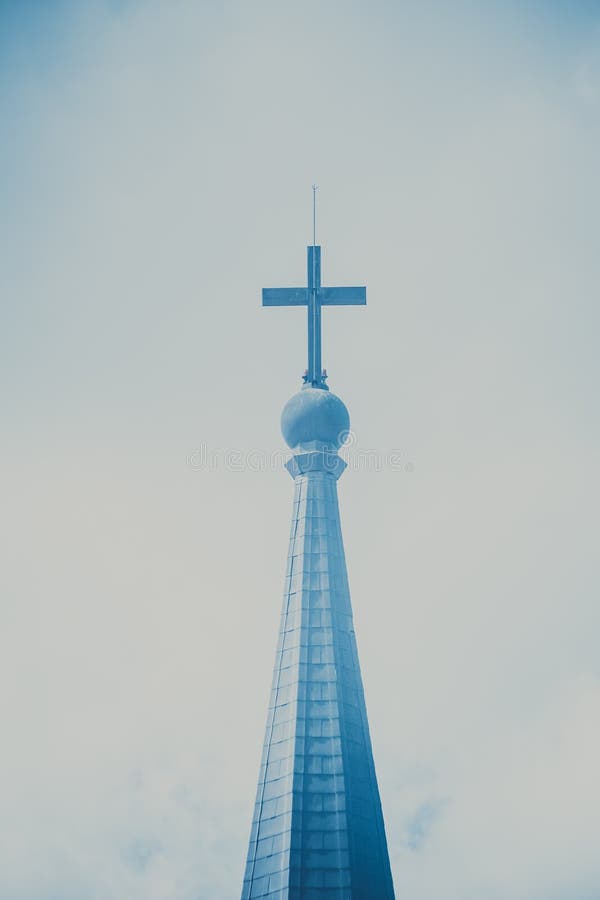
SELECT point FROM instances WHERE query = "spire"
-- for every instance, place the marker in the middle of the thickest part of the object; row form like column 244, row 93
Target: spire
column 317, row 830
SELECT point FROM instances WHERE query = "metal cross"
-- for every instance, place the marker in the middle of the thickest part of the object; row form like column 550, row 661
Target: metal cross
column 314, row 296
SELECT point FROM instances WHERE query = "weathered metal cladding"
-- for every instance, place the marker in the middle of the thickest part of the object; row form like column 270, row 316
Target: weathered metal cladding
column 317, row 830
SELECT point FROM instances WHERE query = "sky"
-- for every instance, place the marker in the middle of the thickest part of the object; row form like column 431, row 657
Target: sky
column 156, row 164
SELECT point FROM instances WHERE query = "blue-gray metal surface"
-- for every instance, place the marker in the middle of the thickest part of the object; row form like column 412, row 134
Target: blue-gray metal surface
column 314, row 296
column 317, row 831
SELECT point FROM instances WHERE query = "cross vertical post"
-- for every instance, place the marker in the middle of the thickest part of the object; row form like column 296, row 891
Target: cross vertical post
column 314, row 315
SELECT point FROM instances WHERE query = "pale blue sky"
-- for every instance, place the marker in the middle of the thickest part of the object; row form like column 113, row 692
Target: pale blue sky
column 156, row 164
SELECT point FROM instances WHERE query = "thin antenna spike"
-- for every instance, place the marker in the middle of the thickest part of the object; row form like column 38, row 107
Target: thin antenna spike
column 314, row 190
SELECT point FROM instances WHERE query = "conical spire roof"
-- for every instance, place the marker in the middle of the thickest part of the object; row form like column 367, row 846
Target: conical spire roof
column 317, row 830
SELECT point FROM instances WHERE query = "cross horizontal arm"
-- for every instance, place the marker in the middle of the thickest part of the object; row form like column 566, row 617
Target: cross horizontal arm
column 343, row 296
column 284, row 297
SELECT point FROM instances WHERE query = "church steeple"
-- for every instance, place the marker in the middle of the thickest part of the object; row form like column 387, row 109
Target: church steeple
column 317, row 830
